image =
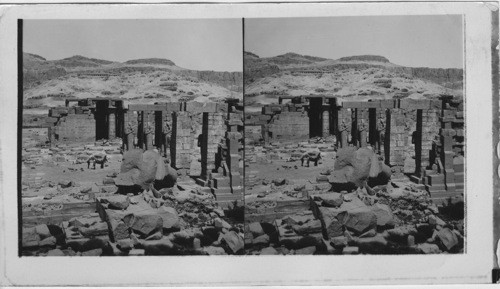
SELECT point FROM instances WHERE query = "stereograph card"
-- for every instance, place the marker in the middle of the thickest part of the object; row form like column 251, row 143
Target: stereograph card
column 251, row 144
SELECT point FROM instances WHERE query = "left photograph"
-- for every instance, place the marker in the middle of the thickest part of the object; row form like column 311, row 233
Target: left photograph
column 131, row 137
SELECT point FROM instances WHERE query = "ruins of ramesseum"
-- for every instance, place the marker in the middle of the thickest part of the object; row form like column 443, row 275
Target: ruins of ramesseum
column 192, row 129
column 421, row 138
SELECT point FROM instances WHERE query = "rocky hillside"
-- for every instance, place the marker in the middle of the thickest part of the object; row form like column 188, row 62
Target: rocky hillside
column 354, row 78
column 80, row 61
column 153, row 61
column 46, row 82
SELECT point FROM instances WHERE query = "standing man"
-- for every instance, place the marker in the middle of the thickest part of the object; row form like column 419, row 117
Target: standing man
column 165, row 146
column 129, row 136
column 149, row 136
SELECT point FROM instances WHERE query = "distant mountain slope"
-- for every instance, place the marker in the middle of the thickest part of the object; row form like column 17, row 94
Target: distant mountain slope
column 262, row 67
column 354, row 78
column 134, row 79
column 160, row 61
column 80, row 61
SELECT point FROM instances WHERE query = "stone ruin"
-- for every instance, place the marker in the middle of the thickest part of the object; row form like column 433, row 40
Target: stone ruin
column 421, row 138
column 167, row 199
column 396, row 186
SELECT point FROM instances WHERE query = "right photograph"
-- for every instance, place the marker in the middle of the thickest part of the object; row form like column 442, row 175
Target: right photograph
column 355, row 135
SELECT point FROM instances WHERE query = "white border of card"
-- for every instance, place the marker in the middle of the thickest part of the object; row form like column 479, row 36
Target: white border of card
column 474, row 266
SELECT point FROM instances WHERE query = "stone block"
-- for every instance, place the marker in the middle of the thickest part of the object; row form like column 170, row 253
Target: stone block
column 236, row 179
column 358, row 220
column 220, row 192
column 222, row 182
column 434, row 179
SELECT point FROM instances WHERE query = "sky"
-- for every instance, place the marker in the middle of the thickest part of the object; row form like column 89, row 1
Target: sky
column 199, row 44
column 416, row 41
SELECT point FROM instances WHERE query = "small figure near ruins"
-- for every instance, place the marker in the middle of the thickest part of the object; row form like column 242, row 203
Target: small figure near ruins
column 148, row 136
column 344, row 132
column 363, row 133
column 165, row 146
column 97, row 159
column 129, row 137
column 313, row 155
column 380, row 134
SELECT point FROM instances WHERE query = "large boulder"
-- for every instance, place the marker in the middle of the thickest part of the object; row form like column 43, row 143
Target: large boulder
column 358, row 220
column 142, row 169
column 357, row 167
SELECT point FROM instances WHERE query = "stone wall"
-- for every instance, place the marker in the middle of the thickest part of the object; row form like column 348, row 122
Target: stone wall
column 75, row 127
column 189, row 127
column 289, row 126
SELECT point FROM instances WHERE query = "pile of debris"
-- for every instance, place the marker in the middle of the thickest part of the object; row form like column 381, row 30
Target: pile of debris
column 151, row 213
column 360, row 212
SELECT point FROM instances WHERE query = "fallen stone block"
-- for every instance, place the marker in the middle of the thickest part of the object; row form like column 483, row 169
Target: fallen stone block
column 261, row 240
column 137, row 252
column 30, row 238
column 333, row 200
column 340, row 241
column 384, row 215
column 400, row 234
column 428, row 248
column 269, row 251
column 116, row 202
column 350, row 251
column 358, row 220
column 144, row 223
column 170, row 218
column 448, row 238
column 234, row 241
column 94, row 252
column 48, row 242
column 117, row 230
column 256, row 229
column 306, row 251
column 212, row 250
column 97, row 229
column 55, row 252
column 313, row 226
column 158, row 247
column 43, row 231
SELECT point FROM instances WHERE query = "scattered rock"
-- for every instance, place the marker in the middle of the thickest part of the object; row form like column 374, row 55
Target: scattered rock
column 306, row 251
column 340, row 241
column 234, row 241
column 268, row 251
column 280, row 182
column 313, row 226
column 55, row 252
column 358, row 220
column 49, row 242
column 427, row 248
column 261, row 240
column 212, row 250
column 43, row 231
column 350, row 250
column 256, row 229
column 448, row 238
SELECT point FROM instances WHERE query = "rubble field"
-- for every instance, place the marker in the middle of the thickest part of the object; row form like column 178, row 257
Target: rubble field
column 71, row 209
column 292, row 209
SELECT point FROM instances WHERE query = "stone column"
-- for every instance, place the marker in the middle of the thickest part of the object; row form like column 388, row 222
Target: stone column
column 362, row 128
column 140, row 129
column 326, row 122
column 129, row 137
column 148, row 137
column 344, row 132
column 112, row 125
column 204, row 146
column 173, row 141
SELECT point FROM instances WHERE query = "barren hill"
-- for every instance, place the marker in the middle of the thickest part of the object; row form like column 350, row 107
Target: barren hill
column 149, row 80
column 355, row 77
